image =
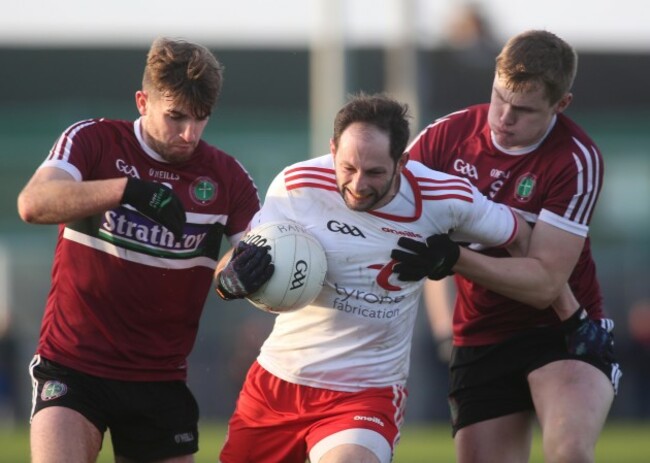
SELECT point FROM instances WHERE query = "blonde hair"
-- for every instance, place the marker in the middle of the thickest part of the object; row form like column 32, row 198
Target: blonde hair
column 538, row 57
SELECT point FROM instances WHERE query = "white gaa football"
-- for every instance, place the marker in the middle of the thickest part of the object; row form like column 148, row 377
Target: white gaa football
column 300, row 266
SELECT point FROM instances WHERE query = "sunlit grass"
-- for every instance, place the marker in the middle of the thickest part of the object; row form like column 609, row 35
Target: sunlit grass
column 621, row 442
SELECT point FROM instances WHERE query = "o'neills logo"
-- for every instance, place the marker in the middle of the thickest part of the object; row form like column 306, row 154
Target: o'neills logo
column 372, row 419
column 163, row 175
column 401, row 232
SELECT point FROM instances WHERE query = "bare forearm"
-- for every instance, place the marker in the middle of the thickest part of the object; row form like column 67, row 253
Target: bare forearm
column 566, row 304
column 537, row 274
column 60, row 201
column 439, row 306
column 520, row 278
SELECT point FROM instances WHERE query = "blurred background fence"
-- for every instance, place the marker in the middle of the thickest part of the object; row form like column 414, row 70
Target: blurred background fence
column 265, row 118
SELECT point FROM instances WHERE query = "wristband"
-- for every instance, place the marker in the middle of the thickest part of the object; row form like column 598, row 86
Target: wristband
column 222, row 292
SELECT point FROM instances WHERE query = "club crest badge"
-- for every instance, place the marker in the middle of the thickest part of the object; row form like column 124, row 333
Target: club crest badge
column 525, row 187
column 53, row 390
column 203, row 191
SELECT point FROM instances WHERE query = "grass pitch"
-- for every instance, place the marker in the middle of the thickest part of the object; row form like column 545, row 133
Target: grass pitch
column 621, row 442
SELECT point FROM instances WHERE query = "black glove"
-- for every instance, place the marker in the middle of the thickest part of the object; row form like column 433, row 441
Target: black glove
column 249, row 268
column 587, row 337
column 157, row 202
column 433, row 259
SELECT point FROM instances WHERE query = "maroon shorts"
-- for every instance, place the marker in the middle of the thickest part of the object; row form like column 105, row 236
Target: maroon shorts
column 148, row 420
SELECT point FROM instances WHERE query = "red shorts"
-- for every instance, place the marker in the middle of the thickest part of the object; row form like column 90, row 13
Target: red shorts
column 277, row 421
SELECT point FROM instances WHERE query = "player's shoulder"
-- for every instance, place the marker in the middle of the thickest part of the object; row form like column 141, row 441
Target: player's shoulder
column 99, row 125
column 573, row 133
column 423, row 172
column 315, row 173
column 324, row 163
column 434, row 184
column 475, row 115
column 98, row 134
column 222, row 164
column 452, row 130
column 570, row 147
column 215, row 153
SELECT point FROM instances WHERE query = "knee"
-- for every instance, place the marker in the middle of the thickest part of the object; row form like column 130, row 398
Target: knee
column 568, row 449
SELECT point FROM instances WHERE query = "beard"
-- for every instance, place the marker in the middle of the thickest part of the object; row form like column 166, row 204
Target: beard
column 369, row 201
column 173, row 154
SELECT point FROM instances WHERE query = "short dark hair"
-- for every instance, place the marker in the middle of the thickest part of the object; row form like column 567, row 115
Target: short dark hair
column 186, row 72
column 538, row 57
column 385, row 113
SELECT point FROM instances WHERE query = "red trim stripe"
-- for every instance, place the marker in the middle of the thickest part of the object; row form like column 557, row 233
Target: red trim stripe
column 294, row 186
column 324, row 170
column 515, row 229
column 418, row 201
column 454, row 188
column 448, row 196
column 310, row 177
column 291, row 178
column 61, row 148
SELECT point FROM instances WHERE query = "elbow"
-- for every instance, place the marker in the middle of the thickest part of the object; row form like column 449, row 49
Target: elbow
column 545, row 297
column 26, row 209
column 541, row 303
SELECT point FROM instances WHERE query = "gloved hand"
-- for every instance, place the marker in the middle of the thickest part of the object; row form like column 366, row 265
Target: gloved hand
column 249, row 268
column 588, row 337
column 433, row 259
column 157, row 202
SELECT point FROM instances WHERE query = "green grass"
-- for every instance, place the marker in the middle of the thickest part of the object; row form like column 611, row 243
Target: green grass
column 619, row 443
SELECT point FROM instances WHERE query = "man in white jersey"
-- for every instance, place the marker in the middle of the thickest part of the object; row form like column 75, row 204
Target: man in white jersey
column 142, row 207
column 329, row 382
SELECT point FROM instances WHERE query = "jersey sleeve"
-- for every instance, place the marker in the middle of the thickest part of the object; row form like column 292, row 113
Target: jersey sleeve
column 424, row 146
column 245, row 202
column 484, row 222
column 432, row 144
column 77, row 149
column 574, row 191
column 276, row 203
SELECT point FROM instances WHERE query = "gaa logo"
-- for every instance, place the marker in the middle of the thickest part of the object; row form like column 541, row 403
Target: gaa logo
column 466, row 169
column 338, row 227
column 127, row 169
column 299, row 275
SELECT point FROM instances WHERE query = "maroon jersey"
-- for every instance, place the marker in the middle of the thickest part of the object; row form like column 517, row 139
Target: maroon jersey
column 557, row 181
column 126, row 298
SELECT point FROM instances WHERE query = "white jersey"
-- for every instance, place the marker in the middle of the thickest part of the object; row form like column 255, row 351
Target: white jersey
column 357, row 333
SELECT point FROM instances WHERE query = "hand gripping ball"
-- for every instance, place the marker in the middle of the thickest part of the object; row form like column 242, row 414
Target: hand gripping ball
column 300, row 266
